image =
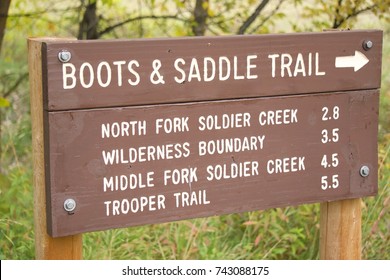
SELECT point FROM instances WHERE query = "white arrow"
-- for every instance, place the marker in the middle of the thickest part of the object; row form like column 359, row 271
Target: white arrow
column 356, row 61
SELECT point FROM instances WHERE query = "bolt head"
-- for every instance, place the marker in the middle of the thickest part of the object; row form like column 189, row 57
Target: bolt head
column 64, row 56
column 69, row 205
column 364, row 171
column 367, row 44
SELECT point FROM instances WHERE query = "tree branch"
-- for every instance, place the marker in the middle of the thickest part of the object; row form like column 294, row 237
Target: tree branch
column 252, row 17
column 268, row 17
column 38, row 13
column 353, row 14
column 337, row 14
column 112, row 27
column 15, row 85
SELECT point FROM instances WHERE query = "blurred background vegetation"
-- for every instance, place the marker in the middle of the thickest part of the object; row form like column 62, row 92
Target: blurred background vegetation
column 287, row 233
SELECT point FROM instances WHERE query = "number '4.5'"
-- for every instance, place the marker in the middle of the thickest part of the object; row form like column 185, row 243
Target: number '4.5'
column 334, row 161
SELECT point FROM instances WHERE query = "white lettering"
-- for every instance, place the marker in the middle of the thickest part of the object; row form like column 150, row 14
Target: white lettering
column 185, row 199
column 232, row 170
column 130, row 67
column 66, row 76
column 146, row 153
column 180, row 176
column 82, row 75
column 131, row 128
column 119, row 69
column 285, row 63
column 183, row 74
column 300, row 66
column 318, row 72
column 138, row 204
column 103, row 74
column 231, row 145
column 172, row 125
column 273, row 58
column 286, row 165
column 236, row 76
column 223, row 69
column 128, row 182
column 295, row 66
column 249, row 75
column 99, row 74
column 224, row 121
column 287, row 116
column 194, row 71
column 208, row 61
column 224, row 60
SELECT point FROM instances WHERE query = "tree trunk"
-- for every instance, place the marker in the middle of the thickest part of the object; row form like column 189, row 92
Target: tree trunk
column 200, row 14
column 4, row 7
column 88, row 28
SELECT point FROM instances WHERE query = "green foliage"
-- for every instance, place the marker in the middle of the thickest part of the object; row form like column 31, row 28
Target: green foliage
column 343, row 14
column 4, row 102
column 16, row 207
column 376, row 218
column 288, row 233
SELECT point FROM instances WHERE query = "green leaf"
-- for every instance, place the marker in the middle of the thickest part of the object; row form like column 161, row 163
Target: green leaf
column 4, row 103
column 4, row 183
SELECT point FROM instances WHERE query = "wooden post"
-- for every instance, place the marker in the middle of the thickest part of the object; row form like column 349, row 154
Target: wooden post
column 340, row 230
column 46, row 247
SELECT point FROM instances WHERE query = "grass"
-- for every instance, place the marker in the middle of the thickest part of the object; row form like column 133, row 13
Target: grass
column 271, row 234
column 376, row 215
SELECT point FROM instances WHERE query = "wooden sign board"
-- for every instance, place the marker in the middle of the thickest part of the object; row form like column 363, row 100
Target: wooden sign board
column 150, row 131
column 105, row 73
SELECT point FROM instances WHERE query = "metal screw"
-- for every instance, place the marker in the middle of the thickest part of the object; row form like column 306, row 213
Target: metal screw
column 69, row 205
column 64, row 56
column 364, row 171
column 367, row 44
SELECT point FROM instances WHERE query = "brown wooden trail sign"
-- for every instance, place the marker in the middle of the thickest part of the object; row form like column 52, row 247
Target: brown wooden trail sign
column 149, row 164
column 149, row 131
column 104, row 74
